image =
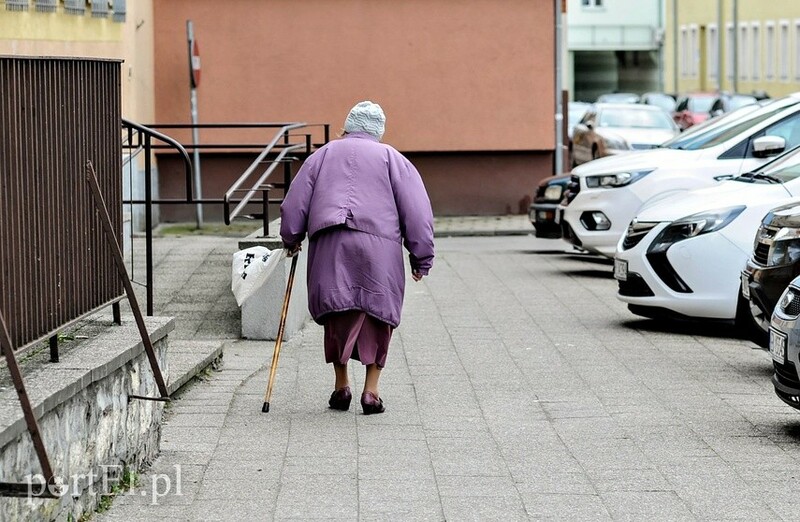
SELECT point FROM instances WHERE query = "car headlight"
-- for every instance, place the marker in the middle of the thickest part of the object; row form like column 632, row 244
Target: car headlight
column 553, row 192
column 693, row 226
column 785, row 249
column 620, row 179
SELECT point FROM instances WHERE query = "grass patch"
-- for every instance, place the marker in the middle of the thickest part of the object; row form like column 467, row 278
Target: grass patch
column 128, row 481
column 238, row 229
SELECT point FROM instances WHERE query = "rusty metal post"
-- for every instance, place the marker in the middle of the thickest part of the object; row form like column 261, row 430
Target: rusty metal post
column 105, row 220
column 27, row 409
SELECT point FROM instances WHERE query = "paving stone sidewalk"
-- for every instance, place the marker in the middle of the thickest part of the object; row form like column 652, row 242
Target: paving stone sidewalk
column 517, row 388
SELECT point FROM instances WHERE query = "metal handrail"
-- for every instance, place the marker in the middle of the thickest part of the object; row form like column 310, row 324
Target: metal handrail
column 145, row 137
column 257, row 186
column 277, row 151
column 187, row 162
column 281, row 134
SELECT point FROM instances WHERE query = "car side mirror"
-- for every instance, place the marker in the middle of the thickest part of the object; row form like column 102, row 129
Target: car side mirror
column 767, row 146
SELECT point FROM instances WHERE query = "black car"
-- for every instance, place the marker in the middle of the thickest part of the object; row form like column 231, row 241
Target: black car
column 542, row 211
column 775, row 262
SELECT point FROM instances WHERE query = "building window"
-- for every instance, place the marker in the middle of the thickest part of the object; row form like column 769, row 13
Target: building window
column 729, row 34
column 797, row 49
column 712, row 51
column 769, row 51
column 744, row 47
column 46, row 6
column 16, row 5
column 755, row 51
column 783, row 51
column 75, row 7
column 684, row 52
column 592, row 4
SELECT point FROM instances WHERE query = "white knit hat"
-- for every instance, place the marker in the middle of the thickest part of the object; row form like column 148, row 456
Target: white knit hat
column 366, row 117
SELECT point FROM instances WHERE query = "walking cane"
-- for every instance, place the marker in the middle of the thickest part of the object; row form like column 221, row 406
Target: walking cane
column 279, row 340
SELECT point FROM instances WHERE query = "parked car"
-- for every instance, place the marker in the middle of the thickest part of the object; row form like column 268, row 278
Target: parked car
column 693, row 109
column 684, row 255
column 774, row 262
column 784, row 345
column 542, row 212
column 618, row 97
column 730, row 102
column 608, row 129
column 604, row 196
column 659, row 99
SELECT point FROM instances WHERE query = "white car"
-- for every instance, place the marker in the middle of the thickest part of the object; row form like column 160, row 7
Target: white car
column 604, row 195
column 684, row 256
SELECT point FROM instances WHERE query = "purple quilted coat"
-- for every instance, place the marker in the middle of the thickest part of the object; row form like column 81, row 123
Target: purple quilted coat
column 360, row 201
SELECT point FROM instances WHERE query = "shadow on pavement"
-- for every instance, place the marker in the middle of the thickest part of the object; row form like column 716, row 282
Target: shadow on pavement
column 601, row 274
column 719, row 329
column 792, row 430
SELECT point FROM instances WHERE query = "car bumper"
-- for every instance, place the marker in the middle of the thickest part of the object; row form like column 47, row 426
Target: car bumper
column 543, row 219
column 618, row 205
column 765, row 284
column 786, row 379
column 710, row 293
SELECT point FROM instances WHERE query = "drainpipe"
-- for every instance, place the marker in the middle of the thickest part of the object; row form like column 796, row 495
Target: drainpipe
column 720, row 47
column 559, row 106
column 660, row 41
column 735, row 82
column 675, row 46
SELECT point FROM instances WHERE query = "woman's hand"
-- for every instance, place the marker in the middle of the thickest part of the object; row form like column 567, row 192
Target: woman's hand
column 416, row 276
column 292, row 250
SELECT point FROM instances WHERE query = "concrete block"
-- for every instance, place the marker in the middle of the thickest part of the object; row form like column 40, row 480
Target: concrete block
column 262, row 312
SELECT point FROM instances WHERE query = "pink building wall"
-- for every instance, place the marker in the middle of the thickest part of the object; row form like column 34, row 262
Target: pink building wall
column 467, row 85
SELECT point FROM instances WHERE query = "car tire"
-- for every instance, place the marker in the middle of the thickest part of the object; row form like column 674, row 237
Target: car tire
column 752, row 322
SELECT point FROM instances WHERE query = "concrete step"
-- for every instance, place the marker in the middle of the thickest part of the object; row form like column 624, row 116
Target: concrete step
column 186, row 359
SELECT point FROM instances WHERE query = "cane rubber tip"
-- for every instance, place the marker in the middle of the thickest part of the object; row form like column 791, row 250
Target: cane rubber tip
column 265, row 408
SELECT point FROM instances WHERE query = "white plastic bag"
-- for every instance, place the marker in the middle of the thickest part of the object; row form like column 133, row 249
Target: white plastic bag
column 251, row 269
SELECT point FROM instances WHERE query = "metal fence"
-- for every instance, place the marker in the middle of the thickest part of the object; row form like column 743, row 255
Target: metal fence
column 55, row 263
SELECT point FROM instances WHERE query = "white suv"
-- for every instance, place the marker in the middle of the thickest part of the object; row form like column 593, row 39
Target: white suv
column 604, row 195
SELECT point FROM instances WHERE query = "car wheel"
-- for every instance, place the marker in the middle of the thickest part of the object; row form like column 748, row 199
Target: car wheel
column 752, row 322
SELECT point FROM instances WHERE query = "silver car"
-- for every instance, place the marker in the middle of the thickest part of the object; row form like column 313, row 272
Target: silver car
column 784, row 345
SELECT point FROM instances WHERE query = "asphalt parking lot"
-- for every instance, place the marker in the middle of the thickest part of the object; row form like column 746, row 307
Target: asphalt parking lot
column 517, row 388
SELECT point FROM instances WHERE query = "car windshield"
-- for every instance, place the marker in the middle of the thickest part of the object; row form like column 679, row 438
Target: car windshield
column 785, row 167
column 701, row 103
column 728, row 125
column 635, row 118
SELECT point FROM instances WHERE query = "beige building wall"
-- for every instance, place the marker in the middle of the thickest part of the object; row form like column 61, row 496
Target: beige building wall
column 32, row 33
column 766, row 51
column 455, row 78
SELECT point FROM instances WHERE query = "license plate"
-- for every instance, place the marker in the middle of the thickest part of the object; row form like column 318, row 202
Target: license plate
column 620, row 269
column 777, row 346
column 745, row 285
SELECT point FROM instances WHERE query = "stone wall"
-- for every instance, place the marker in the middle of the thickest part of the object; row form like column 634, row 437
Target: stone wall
column 97, row 430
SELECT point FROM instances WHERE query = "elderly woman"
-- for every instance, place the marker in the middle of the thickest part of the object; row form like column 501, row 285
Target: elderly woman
column 359, row 201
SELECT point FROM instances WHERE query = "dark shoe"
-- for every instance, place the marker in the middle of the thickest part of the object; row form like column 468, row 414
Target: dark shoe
column 371, row 403
column 340, row 399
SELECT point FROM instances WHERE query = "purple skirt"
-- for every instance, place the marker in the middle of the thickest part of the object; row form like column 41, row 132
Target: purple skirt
column 356, row 335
